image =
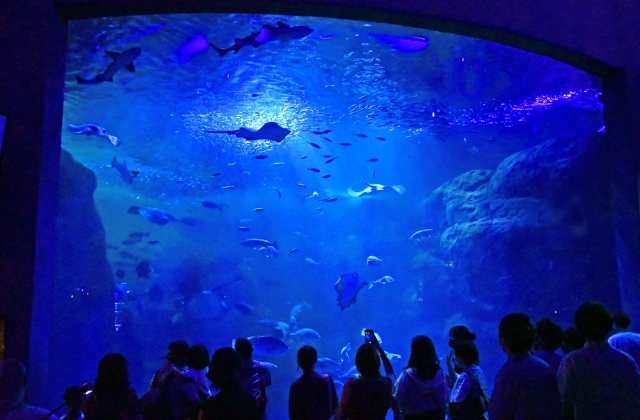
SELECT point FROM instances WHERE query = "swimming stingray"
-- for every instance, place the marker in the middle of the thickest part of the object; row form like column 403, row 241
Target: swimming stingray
column 92, row 129
column 268, row 33
column 375, row 187
column 205, row 305
column 157, row 216
column 348, row 286
column 270, row 131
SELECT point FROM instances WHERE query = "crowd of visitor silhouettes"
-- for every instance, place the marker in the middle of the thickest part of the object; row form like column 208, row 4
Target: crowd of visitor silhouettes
column 596, row 378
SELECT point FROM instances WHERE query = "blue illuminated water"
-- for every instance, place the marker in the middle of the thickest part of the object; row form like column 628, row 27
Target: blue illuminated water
column 453, row 105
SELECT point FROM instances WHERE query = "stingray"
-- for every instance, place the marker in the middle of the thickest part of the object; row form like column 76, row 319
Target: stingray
column 400, row 189
column 206, row 305
column 348, row 286
column 270, row 131
column 92, row 129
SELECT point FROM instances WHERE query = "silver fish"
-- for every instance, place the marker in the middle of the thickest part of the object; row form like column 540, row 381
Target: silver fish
column 374, row 261
column 305, row 334
column 285, row 328
column 422, row 235
column 344, row 353
column 258, row 243
column 269, row 251
column 153, row 215
column 382, row 280
column 326, row 365
column 298, row 308
column 351, row 373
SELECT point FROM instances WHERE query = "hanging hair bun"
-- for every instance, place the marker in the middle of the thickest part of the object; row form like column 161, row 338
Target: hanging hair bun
column 461, row 332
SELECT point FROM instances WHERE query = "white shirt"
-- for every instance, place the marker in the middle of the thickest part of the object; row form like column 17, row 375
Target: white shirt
column 600, row 382
column 415, row 395
column 628, row 342
column 465, row 383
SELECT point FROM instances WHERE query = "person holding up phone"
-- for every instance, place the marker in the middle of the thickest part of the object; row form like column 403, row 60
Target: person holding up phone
column 369, row 396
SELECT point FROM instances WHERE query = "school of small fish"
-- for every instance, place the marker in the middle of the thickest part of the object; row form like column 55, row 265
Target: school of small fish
column 211, row 303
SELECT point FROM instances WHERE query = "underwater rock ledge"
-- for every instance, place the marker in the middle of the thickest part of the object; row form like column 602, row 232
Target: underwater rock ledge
column 540, row 224
column 82, row 325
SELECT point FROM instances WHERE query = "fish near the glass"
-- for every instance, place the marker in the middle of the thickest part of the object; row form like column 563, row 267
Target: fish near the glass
column 268, row 33
column 120, row 61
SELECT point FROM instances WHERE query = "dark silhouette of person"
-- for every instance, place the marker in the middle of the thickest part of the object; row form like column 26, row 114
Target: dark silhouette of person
column 13, row 387
column 470, row 384
column 368, row 397
column 525, row 386
column 548, row 339
column 598, row 381
column 456, row 334
column 177, row 393
column 112, row 396
column 421, row 390
column 571, row 341
column 198, row 366
column 255, row 376
column 231, row 402
column 312, row 396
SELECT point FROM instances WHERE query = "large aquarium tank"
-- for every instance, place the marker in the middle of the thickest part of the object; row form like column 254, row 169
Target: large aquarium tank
column 300, row 179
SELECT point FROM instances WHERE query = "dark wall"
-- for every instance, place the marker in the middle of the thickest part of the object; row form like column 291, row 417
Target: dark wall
column 32, row 47
column 591, row 34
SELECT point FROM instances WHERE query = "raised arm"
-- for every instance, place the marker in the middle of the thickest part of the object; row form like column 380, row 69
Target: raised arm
column 391, row 374
column 451, row 373
column 388, row 369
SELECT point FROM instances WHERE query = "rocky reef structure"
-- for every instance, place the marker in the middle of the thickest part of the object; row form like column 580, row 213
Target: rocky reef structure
column 82, row 290
column 534, row 235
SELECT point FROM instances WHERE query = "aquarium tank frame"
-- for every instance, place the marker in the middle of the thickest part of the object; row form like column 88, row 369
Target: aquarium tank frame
column 598, row 36
column 3, row 123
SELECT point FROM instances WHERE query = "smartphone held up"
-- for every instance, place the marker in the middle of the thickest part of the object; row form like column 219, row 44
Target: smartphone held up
column 368, row 336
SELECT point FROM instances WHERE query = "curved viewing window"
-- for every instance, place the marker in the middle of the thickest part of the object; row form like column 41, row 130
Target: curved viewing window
column 252, row 175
